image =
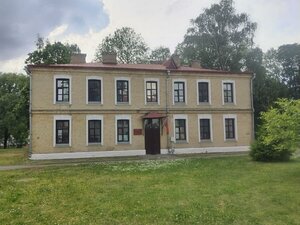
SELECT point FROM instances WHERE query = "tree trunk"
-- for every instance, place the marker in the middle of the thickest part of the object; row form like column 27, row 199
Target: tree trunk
column 6, row 136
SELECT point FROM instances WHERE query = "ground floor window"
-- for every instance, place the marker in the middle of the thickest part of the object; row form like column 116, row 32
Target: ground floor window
column 94, row 131
column 230, row 127
column 180, row 129
column 123, row 130
column 62, row 131
column 205, row 129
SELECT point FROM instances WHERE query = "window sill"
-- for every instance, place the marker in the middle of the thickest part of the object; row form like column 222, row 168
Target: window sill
column 229, row 103
column 180, row 103
column 62, row 146
column 63, row 103
column 152, row 103
column 206, row 141
column 95, row 144
column 181, row 142
column 231, row 140
column 204, row 104
column 123, row 143
column 94, row 103
column 122, row 103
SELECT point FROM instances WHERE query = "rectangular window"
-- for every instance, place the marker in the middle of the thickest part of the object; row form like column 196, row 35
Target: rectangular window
column 180, row 130
column 230, row 128
column 151, row 91
column 179, row 91
column 123, row 130
column 62, row 90
column 94, row 131
column 122, row 91
column 62, row 131
column 228, row 92
column 204, row 129
column 94, row 90
column 203, row 92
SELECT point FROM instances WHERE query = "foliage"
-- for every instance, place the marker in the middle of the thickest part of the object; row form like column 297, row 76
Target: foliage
column 279, row 134
column 126, row 43
column 266, row 88
column 47, row 53
column 160, row 54
column 14, row 108
column 219, row 38
column 228, row 190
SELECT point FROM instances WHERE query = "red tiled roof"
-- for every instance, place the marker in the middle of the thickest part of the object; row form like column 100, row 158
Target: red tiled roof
column 145, row 67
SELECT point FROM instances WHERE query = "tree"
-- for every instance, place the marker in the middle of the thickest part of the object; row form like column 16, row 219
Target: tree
column 219, row 38
column 47, row 53
column 266, row 87
column 126, row 43
column 160, row 54
column 279, row 133
column 289, row 57
column 14, row 108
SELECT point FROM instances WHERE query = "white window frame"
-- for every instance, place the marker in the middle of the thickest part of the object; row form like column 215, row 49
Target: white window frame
column 123, row 117
column 185, row 91
column 185, row 117
column 70, row 88
column 93, row 117
column 129, row 94
column 209, row 91
column 230, row 116
column 87, row 89
column 205, row 116
column 145, row 92
column 234, row 92
column 62, row 117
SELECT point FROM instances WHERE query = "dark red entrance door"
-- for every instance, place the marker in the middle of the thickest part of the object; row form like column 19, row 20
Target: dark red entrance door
column 152, row 136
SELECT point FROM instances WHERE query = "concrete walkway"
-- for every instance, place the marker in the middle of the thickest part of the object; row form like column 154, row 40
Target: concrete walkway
column 75, row 162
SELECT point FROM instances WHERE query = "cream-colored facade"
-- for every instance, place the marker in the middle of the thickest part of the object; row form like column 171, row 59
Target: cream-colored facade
column 77, row 110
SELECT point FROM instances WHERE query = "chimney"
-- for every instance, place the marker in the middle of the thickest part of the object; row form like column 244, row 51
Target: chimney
column 78, row 58
column 176, row 60
column 196, row 64
column 110, row 58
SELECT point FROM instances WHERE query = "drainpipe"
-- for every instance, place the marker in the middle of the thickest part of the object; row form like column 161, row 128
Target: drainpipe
column 30, row 111
column 252, row 106
column 167, row 109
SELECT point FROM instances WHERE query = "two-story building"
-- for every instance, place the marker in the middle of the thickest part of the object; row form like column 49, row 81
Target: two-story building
column 109, row 109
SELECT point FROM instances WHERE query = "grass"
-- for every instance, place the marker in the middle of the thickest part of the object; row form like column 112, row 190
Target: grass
column 13, row 156
column 228, row 190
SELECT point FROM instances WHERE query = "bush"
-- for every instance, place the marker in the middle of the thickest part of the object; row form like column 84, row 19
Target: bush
column 267, row 153
column 279, row 134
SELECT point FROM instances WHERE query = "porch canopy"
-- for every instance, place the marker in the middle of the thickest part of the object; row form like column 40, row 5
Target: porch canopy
column 154, row 115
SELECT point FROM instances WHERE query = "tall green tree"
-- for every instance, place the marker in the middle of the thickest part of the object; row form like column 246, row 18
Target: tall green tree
column 129, row 46
column 219, row 37
column 266, row 88
column 289, row 57
column 160, row 54
column 14, row 108
column 47, row 53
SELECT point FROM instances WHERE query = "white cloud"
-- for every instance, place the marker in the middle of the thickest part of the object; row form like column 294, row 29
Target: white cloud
column 165, row 23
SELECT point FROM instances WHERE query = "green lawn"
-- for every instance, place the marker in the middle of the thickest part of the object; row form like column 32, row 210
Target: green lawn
column 14, row 156
column 228, row 190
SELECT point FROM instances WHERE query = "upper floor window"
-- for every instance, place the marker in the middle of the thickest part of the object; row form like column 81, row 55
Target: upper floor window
column 179, row 91
column 151, row 91
column 122, row 89
column 62, row 89
column 228, row 92
column 203, row 92
column 94, row 90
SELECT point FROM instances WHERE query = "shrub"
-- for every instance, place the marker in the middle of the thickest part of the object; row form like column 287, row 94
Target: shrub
column 279, row 134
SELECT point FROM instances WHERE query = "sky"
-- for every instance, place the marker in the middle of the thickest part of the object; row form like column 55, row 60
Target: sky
column 160, row 23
